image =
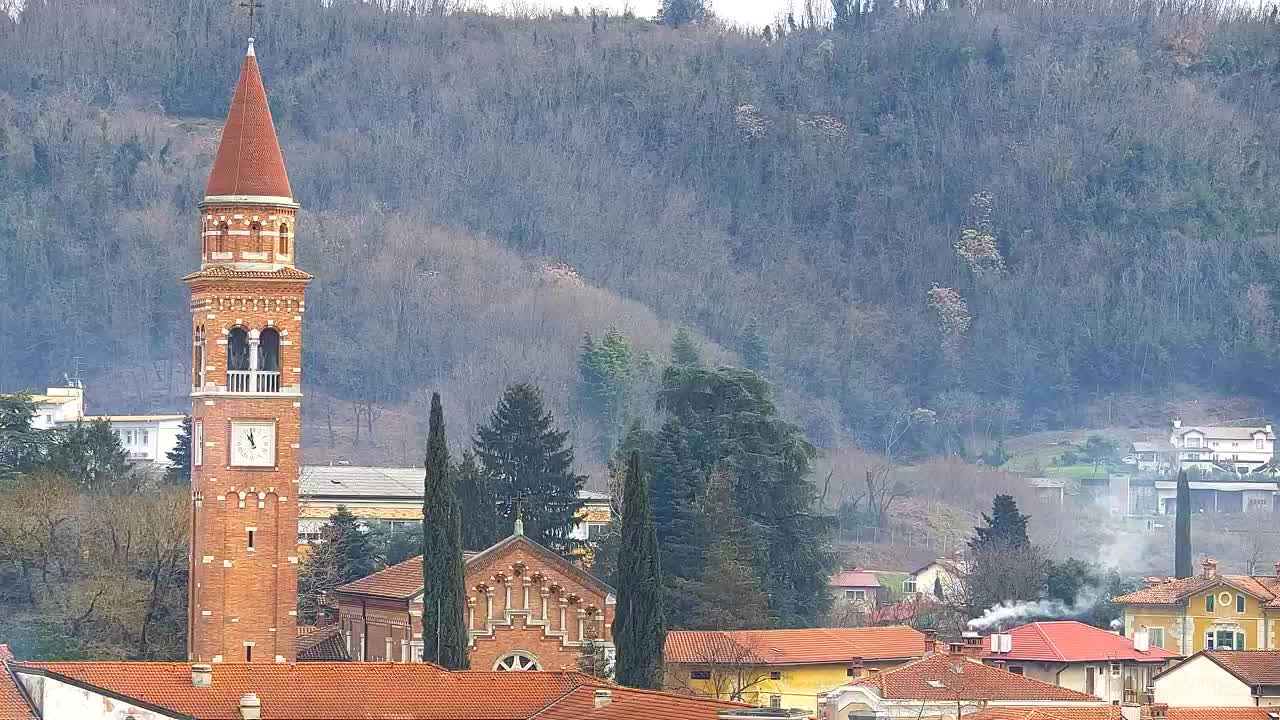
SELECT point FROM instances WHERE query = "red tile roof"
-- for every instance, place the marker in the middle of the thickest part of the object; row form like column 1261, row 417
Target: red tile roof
column 13, row 704
column 221, row 271
column 404, row 580
column 793, row 647
column 952, row 677
column 340, row 691
column 1264, row 587
column 249, row 161
column 1253, row 667
column 856, row 578
column 1071, row 641
column 1048, row 712
column 1217, row 713
column 320, row 644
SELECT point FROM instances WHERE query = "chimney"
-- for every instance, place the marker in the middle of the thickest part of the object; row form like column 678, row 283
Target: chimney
column 250, row 707
column 1210, row 567
column 1159, row 711
column 1267, row 428
column 201, row 675
column 1153, row 580
column 855, row 668
column 603, row 697
column 1177, row 423
column 971, row 644
column 931, row 636
column 1142, row 640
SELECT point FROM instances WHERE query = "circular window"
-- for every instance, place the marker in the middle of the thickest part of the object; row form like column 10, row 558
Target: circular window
column 517, row 661
column 1224, row 599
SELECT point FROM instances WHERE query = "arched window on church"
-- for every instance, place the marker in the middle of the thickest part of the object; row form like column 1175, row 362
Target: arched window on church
column 255, row 238
column 284, row 239
column 220, row 244
column 238, row 372
column 517, row 661
column 269, row 360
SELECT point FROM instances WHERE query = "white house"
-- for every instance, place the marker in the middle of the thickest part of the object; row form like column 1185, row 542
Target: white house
column 942, row 573
column 147, row 438
column 1242, row 449
column 1222, row 678
column 57, row 405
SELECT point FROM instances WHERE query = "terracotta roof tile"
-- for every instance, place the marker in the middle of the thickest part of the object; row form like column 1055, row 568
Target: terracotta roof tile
column 1217, row 713
column 1254, row 667
column 856, row 578
column 249, row 161
column 951, row 677
column 221, row 271
column 13, row 704
column 793, row 647
column 1264, row 587
column 631, row 704
column 1048, row 712
column 1071, row 641
column 321, row 644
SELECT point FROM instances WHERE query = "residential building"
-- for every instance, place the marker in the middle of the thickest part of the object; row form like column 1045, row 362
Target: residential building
column 1239, row 449
column 147, row 438
column 1221, row 493
column 1081, row 657
column 57, row 405
column 391, row 498
column 1205, row 611
column 1161, row 712
column 325, row 691
column 782, row 668
column 527, row 609
column 1154, row 456
column 946, row 685
column 859, row 588
column 943, row 574
column 1222, row 678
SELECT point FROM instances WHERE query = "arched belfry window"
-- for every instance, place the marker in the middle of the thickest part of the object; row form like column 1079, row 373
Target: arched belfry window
column 269, row 360
column 255, row 238
column 220, row 244
column 238, row 367
column 284, row 239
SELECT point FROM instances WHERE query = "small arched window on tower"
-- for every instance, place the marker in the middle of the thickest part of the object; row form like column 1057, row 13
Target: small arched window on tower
column 220, row 243
column 238, row 374
column 255, row 238
column 284, row 239
column 197, row 358
column 269, row 360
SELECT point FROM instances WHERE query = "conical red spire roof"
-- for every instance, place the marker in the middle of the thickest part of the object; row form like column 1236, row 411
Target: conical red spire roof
column 249, row 161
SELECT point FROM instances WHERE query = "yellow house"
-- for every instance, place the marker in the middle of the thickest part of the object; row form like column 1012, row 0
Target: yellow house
column 1206, row 611
column 782, row 668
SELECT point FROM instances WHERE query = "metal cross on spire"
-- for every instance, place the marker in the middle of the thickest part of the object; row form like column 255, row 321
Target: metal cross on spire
column 252, row 6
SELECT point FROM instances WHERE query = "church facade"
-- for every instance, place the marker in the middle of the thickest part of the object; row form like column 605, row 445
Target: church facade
column 527, row 609
column 247, row 303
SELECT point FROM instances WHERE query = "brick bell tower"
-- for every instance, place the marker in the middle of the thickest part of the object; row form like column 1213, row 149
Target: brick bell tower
column 246, row 308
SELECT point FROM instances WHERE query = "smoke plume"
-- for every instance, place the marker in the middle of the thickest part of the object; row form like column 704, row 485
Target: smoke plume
column 1008, row 612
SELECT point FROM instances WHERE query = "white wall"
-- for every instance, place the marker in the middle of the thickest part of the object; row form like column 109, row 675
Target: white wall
column 1200, row 682
column 57, row 700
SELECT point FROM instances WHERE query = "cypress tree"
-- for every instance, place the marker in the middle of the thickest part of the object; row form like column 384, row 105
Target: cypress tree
column 444, row 635
column 1182, row 529
column 638, row 628
column 530, row 467
column 480, row 527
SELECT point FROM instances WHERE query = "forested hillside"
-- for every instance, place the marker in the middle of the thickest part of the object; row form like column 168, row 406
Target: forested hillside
column 994, row 212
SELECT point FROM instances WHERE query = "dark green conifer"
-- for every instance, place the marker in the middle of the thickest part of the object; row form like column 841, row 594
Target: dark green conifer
column 638, row 628
column 444, row 634
column 480, row 526
column 1182, row 529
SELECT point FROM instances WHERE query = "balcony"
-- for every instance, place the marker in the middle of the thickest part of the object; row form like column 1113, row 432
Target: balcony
column 253, row 381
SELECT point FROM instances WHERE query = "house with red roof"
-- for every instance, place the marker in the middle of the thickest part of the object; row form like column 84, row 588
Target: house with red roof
column 327, row 691
column 1222, row 678
column 783, row 668
column 947, row 685
column 858, row 587
column 1081, row 657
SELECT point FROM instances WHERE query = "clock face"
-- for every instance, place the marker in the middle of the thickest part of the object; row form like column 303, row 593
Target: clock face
column 253, row 444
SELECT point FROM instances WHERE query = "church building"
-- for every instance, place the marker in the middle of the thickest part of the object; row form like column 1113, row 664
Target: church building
column 527, row 609
column 247, row 301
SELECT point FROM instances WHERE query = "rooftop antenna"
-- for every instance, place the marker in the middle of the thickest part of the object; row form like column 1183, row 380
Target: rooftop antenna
column 75, row 381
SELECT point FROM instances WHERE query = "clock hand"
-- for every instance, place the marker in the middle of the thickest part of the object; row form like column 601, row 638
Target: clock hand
column 252, row 444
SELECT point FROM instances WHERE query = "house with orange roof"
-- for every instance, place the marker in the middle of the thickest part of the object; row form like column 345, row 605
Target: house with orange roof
column 947, row 685
column 1081, row 657
column 782, row 668
column 1222, row 678
column 1206, row 611
column 327, row 691
column 1053, row 712
column 527, row 609
column 1163, row 712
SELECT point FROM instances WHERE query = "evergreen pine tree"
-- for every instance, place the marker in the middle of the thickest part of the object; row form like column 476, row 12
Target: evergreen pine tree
column 638, row 629
column 1182, row 529
column 677, row 13
column 684, row 349
column 444, row 634
column 20, row 444
column 179, row 470
column 355, row 551
column 480, row 528
column 530, row 467
column 730, row 594
column 676, row 484
column 1005, row 526
column 937, row 587
column 606, row 370
column 91, row 455
column 754, row 348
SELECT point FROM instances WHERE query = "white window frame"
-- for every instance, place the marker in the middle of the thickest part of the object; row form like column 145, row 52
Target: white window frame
column 1152, row 634
column 197, row 443
column 1259, row 443
column 909, row 585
